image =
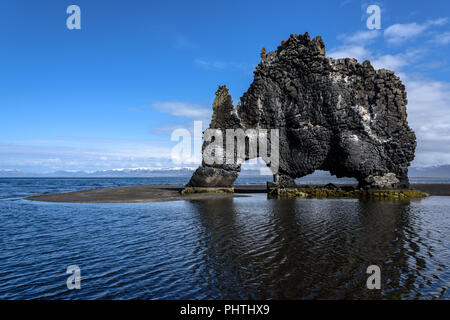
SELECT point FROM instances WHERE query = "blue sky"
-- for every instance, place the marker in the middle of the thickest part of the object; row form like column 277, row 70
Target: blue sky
column 109, row 95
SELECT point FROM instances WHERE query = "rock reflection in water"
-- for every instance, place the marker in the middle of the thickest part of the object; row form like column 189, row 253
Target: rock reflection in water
column 308, row 248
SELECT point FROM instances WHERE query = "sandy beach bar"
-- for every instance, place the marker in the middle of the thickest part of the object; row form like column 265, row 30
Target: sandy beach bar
column 135, row 194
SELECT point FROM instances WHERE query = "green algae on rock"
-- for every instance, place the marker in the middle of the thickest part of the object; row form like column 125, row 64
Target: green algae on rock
column 190, row 190
column 321, row 193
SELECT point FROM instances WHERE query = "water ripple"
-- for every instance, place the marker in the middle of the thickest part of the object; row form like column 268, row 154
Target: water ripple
column 243, row 248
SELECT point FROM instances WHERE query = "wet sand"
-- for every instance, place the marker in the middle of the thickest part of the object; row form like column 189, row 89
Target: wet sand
column 128, row 194
column 172, row 193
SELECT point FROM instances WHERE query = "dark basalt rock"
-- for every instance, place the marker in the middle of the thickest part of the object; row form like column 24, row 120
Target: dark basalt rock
column 335, row 115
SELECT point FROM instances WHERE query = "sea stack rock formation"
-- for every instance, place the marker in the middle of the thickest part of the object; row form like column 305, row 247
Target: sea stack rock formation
column 335, row 115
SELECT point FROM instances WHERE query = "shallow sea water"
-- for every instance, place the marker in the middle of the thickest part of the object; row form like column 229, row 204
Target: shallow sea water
column 241, row 248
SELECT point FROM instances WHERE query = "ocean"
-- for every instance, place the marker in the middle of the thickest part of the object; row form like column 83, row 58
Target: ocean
column 241, row 248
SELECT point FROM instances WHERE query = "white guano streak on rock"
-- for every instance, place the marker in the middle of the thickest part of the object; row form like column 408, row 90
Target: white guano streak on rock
column 366, row 121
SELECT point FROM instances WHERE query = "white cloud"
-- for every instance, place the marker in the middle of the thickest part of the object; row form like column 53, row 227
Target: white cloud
column 391, row 62
column 344, row 3
column 401, row 32
column 354, row 45
column 396, row 62
column 183, row 109
column 438, row 22
column 360, row 36
column 429, row 101
column 91, row 154
column 40, row 158
column 398, row 33
column 210, row 64
column 443, row 38
column 220, row 65
column 350, row 51
column 429, row 116
column 388, row 61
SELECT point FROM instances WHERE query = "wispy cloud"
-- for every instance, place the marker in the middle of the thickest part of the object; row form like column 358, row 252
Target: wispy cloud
column 359, row 36
column 429, row 116
column 210, row 64
column 221, row 65
column 343, row 3
column 183, row 42
column 93, row 156
column 90, row 154
column 397, row 61
column 399, row 33
column 358, row 52
column 354, row 45
column 183, row 109
column 442, row 38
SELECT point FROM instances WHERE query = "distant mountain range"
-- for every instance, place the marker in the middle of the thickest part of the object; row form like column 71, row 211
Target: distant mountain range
column 124, row 172
column 431, row 172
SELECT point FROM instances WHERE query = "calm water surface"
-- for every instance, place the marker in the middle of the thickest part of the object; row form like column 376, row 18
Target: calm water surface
column 240, row 248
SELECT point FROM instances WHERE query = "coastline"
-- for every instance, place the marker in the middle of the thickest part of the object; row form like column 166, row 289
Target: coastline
column 162, row 193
